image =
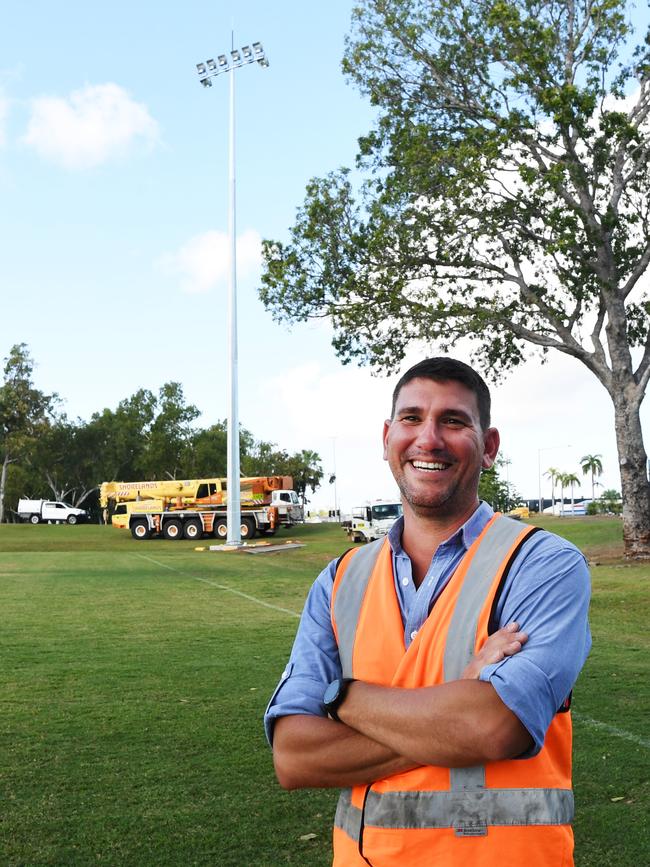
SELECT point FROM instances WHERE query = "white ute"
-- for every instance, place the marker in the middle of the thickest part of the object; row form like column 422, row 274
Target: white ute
column 36, row 511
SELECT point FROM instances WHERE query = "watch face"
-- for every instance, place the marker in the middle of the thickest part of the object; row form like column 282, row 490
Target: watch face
column 332, row 691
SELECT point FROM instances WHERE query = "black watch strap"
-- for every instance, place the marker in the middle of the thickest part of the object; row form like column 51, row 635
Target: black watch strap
column 335, row 695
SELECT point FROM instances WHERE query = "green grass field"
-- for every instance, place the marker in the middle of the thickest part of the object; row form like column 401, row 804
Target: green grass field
column 135, row 675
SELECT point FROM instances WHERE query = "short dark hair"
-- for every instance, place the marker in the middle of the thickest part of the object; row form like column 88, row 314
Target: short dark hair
column 443, row 369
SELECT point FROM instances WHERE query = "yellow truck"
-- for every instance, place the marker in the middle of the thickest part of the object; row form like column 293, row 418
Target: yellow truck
column 188, row 508
column 519, row 513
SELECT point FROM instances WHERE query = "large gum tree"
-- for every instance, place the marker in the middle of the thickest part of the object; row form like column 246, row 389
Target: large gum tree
column 504, row 197
column 26, row 415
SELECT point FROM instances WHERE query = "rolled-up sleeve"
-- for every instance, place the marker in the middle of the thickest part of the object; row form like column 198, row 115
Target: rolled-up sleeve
column 314, row 660
column 547, row 593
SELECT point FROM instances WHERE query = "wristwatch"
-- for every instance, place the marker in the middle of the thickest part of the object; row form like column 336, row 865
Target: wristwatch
column 334, row 695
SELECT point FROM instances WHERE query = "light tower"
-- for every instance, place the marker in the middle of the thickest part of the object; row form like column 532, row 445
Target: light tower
column 207, row 71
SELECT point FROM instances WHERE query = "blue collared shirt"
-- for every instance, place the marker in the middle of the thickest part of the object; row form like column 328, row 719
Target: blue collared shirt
column 546, row 592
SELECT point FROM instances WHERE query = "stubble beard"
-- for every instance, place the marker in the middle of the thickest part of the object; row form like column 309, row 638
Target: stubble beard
column 433, row 504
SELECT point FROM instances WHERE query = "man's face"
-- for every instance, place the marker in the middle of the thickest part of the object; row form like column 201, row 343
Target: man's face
column 435, row 447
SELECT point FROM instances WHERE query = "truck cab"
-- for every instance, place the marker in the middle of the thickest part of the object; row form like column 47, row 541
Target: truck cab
column 120, row 517
column 289, row 506
column 372, row 520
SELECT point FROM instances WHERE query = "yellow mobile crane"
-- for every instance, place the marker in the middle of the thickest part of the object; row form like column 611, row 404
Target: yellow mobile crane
column 191, row 507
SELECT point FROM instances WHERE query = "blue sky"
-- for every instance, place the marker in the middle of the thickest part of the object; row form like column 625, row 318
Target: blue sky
column 113, row 178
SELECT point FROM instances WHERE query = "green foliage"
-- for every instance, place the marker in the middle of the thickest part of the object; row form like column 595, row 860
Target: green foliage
column 25, row 415
column 24, row 410
column 304, row 467
column 503, row 198
column 569, row 479
column 496, row 491
column 170, row 433
column 593, row 465
column 610, row 502
column 207, row 454
column 306, row 470
column 148, row 436
column 495, row 183
column 263, row 458
column 66, row 458
column 553, row 474
column 121, row 435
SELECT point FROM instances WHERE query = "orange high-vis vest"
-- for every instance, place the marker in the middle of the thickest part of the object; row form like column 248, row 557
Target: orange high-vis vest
column 502, row 814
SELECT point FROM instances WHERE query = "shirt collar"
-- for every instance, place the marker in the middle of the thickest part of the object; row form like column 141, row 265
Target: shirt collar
column 465, row 535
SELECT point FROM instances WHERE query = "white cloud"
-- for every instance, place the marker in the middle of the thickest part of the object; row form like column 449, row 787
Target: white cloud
column 204, row 261
column 332, row 400
column 336, row 411
column 89, row 127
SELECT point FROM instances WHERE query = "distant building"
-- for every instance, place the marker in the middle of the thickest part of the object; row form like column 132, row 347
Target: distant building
column 556, row 507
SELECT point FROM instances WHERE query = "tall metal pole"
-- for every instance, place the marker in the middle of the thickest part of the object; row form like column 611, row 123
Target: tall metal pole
column 233, row 512
column 507, row 462
column 207, row 71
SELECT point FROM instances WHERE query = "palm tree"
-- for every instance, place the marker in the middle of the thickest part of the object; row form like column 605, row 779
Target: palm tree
column 554, row 475
column 592, row 464
column 571, row 479
column 560, row 478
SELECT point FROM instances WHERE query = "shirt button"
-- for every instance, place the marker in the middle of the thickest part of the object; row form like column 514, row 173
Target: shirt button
column 405, row 581
column 413, row 634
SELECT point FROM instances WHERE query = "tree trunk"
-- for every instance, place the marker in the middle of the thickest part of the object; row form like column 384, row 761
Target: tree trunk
column 633, row 464
column 79, row 500
column 57, row 493
column 3, row 485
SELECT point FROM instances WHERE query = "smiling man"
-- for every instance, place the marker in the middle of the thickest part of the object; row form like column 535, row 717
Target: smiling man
column 409, row 685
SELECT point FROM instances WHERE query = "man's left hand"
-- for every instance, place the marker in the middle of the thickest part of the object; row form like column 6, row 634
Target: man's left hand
column 505, row 642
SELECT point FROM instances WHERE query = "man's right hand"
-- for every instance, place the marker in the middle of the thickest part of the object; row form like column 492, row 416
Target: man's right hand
column 505, row 642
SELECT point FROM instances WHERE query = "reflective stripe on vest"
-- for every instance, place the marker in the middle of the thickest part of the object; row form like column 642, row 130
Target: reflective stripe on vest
column 498, row 540
column 459, row 649
column 460, row 810
column 467, row 806
column 347, row 604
